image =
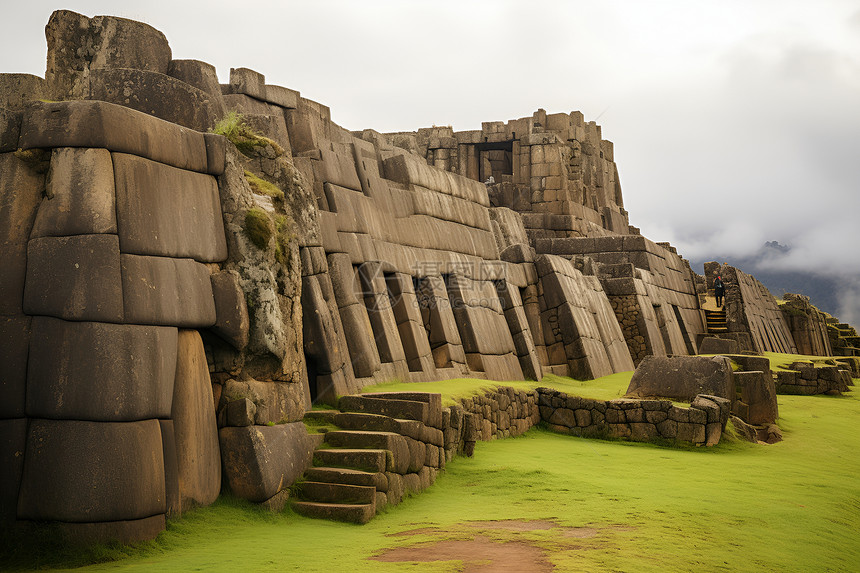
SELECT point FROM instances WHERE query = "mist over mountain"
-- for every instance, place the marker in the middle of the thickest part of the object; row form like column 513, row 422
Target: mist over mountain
column 835, row 293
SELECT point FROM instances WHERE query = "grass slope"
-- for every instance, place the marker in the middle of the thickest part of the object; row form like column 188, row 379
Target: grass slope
column 792, row 506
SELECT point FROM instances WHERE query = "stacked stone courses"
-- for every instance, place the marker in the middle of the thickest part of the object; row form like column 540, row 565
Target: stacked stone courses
column 174, row 301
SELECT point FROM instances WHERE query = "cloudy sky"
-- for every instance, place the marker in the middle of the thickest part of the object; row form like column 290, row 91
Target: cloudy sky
column 735, row 122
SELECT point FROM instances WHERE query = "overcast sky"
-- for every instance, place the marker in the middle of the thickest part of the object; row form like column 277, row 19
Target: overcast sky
column 735, row 122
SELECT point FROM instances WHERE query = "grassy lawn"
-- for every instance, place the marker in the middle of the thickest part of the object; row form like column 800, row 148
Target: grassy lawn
column 612, row 506
column 606, row 388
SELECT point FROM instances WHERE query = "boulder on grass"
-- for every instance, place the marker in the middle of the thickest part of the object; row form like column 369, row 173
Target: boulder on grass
column 682, row 377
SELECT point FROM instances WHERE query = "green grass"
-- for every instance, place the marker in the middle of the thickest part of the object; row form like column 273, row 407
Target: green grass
column 792, row 506
column 605, row 388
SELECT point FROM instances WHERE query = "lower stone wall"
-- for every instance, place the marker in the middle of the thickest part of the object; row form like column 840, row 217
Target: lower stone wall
column 501, row 414
column 637, row 420
column 509, row 412
column 805, row 379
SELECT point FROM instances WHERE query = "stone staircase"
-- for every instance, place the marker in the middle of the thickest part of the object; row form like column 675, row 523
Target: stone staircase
column 385, row 446
column 716, row 321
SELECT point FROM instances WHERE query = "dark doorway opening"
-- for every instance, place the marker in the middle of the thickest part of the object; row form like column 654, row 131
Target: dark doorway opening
column 495, row 159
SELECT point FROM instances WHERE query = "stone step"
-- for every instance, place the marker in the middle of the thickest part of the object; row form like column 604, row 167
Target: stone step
column 364, row 460
column 324, row 416
column 432, row 399
column 378, row 423
column 347, row 476
column 327, row 492
column 356, row 439
column 349, row 513
column 402, row 409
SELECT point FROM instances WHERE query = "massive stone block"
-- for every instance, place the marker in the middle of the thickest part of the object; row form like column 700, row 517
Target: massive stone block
column 20, row 194
column 100, row 372
column 169, row 292
column 113, row 127
column 75, row 278
column 274, row 402
column 260, row 461
column 10, row 129
column 92, row 471
column 77, row 44
column 683, row 377
column 231, row 310
column 14, row 347
column 196, row 433
column 173, row 498
column 79, row 195
column 758, row 391
column 168, row 212
column 158, row 95
column 13, row 437
column 199, row 74
column 16, row 90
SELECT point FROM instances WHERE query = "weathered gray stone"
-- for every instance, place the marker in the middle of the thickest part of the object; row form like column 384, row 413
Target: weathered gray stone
column 13, row 437
column 77, row 44
column 166, row 211
column 241, row 412
column 231, row 311
column 682, row 377
column 156, row 94
column 100, row 372
column 79, row 194
column 128, row 532
column 75, row 278
column 759, row 393
column 193, row 414
column 199, row 74
column 276, row 401
column 10, row 129
column 20, row 194
column 171, row 468
column 92, row 471
column 14, row 348
column 405, row 409
column 113, row 127
column 260, row 461
column 714, row 345
column 16, row 90
column 165, row 291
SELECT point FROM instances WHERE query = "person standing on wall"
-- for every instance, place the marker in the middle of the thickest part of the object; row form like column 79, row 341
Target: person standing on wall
column 719, row 290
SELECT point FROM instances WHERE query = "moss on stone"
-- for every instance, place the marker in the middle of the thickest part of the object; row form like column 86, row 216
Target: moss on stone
column 39, row 160
column 233, row 127
column 282, row 240
column 263, row 187
column 258, row 227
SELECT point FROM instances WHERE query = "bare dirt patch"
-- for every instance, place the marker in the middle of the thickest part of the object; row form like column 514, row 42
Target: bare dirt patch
column 513, row 524
column 479, row 555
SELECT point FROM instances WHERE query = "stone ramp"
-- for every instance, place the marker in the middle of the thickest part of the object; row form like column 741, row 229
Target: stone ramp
column 386, row 445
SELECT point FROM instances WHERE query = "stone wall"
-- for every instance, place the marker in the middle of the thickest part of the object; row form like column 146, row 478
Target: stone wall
column 177, row 282
column 636, row 420
column 117, row 226
column 807, row 324
column 806, row 379
column 652, row 290
column 751, row 308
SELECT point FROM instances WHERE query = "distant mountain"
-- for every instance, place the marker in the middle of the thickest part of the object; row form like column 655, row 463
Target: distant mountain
column 822, row 290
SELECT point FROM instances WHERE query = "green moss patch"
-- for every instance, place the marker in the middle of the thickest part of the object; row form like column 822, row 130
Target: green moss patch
column 263, row 187
column 258, row 227
column 233, row 127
